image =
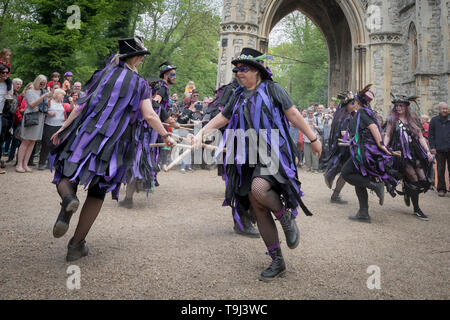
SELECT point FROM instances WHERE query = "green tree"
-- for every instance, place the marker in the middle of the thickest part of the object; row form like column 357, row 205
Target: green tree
column 186, row 33
column 301, row 63
column 183, row 31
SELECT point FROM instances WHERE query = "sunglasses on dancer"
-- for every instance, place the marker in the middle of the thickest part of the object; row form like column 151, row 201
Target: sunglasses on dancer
column 4, row 72
column 243, row 69
column 172, row 75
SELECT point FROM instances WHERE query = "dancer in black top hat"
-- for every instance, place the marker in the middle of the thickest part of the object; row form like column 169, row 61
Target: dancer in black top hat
column 338, row 155
column 370, row 165
column 404, row 133
column 262, row 106
column 98, row 140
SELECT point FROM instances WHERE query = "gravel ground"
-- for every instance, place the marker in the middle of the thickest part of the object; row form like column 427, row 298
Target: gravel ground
column 179, row 244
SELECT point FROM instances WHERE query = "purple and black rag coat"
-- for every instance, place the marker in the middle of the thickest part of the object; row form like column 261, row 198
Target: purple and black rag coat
column 260, row 109
column 368, row 159
column 163, row 91
column 100, row 145
column 413, row 153
column 337, row 155
column 145, row 166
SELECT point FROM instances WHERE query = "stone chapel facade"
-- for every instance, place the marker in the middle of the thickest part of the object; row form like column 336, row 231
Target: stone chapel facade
column 401, row 46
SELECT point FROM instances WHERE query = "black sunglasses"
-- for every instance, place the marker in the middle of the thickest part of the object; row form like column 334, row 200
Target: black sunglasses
column 4, row 72
column 243, row 69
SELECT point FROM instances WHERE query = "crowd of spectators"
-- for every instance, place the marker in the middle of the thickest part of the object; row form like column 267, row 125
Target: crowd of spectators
column 30, row 114
column 29, row 117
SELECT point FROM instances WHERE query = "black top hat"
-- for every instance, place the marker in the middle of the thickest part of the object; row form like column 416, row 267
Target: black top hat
column 131, row 47
column 346, row 97
column 403, row 99
column 253, row 58
column 166, row 66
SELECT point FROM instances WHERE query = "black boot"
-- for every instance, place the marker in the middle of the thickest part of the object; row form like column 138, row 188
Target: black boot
column 336, row 198
column 362, row 215
column 327, row 181
column 290, row 229
column 277, row 267
column 69, row 206
column 77, row 251
column 406, row 196
column 249, row 228
column 378, row 187
column 126, row 203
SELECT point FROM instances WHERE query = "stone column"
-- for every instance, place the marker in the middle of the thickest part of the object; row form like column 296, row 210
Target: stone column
column 445, row 30
column 383, row 39
column 239, row 29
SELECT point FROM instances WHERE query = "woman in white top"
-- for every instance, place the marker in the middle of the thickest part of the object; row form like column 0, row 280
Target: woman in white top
column 53, row 121
column 35, row 96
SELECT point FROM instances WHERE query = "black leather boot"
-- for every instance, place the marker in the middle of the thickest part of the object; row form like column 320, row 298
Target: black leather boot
column 378, row 187
column 362, row 215
column 249, row 228
column 69, row 206
column 290, row 229
column 336, row 198
column 277, row 267
column 406, row 196
column 76, row 251
column 327, row 181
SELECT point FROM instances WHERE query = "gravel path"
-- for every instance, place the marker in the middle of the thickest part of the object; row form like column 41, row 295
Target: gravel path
column 179, row 244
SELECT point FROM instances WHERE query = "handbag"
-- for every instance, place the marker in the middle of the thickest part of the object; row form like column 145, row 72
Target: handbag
column 31, row 119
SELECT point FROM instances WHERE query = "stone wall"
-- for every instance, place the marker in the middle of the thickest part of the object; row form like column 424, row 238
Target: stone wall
column 389, row 56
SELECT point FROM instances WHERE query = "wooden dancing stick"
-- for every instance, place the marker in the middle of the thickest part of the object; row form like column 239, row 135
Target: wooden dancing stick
column 161, row 145
column 394, row 153
column 182, row 128
column 179, row 137
column 187, row 124
column 185, row 146
column 178, row 159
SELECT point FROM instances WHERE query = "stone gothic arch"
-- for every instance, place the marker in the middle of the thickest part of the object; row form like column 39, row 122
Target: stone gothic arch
column 367, row 43
column 340, row 21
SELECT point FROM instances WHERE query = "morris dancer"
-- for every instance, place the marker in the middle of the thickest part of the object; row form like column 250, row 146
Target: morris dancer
column 142, row 176
column 338, row 155
column 262, row 104
column 370, row 162
column 99, row 140
column 168, row 76
column 404, row 133
column 246, row 215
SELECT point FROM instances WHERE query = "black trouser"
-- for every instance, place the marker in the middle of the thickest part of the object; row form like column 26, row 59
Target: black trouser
column 442, row 157
column 15, row 143
column 46, row 144
column 361, row 183
column 163, row 156
column 5, row 135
